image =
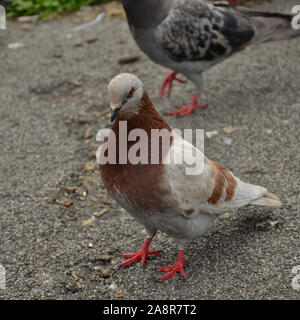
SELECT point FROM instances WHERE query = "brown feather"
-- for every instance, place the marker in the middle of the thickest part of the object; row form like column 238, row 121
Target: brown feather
column 221, row 177
column 140, row 184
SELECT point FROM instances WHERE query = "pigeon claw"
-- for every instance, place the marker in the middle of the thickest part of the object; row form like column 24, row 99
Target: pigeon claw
column 139, row 255
column 177, row 267
column 169, row 82
column 188, row 109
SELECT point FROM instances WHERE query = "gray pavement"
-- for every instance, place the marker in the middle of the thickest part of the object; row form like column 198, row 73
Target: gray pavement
column 53, row 100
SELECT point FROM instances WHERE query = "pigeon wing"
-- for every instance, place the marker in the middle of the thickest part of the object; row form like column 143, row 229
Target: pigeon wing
column 195, row 30
column 214, row 189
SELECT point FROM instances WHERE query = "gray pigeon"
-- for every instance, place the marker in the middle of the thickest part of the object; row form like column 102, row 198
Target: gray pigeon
column 191, row 36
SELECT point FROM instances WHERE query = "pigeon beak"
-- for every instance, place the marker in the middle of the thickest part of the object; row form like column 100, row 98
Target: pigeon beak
column 114, row 113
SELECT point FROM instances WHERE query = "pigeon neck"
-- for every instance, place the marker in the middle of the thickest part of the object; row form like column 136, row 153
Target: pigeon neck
column 147, row 118
column 146, row 14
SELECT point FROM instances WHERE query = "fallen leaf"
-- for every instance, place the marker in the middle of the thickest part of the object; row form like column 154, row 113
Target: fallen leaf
column 88, row 222
column 106, row 202
column 78, row 44
column 104, row 257
column 26, row 27
column 229, row 130
column 68, row 203
column 74, row 276
column 90, row 165
column 129, row 59
column 70, row 189
column 57, row 54
column 75, row 83
column 88, row 133
column 92, row 39
column 101, row 213
column 106, row 273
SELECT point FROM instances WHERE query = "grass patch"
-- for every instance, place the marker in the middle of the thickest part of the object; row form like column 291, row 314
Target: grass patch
column 44, row 8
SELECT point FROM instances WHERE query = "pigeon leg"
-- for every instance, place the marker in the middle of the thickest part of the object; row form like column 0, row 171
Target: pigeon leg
column 188, row 109
column 140, row 255
column 169, row 82
column 177, row 267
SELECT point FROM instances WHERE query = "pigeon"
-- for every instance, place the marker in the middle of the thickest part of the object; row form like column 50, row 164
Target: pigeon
column 191, row 36
column 162, row 195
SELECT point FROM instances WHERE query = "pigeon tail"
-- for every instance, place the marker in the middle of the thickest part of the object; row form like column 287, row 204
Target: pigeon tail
column 269, row 200
column 254, row 195
column 271, row 26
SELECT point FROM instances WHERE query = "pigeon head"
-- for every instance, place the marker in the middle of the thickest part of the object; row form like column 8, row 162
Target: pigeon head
column 125, row 92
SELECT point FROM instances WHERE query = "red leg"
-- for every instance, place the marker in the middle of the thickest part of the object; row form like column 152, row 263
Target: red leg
column 139, row 255
column 188, row 109
column 177, row 267
column 169, row 82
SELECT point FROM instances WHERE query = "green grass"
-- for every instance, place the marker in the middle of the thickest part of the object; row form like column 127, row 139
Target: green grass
column 44, row 8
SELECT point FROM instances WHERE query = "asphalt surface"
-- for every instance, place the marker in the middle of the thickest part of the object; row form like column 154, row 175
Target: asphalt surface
column 53, row 97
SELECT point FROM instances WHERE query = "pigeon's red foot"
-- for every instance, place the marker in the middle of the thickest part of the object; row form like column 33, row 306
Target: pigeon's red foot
column 177, row 267
column 169, row 82
column 188, row 109
column 139, row 255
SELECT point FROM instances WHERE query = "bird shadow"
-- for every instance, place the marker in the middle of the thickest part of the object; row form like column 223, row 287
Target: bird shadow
column 226, row 241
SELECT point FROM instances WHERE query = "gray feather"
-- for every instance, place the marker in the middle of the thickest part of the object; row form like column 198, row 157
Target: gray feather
column 195, row 30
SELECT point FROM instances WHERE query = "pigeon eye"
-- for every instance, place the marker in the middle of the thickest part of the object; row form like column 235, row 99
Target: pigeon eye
column 131, row 93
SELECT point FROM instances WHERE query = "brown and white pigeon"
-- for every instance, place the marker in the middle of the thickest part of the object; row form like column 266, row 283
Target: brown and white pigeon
column 191, row 36
column 160, row 195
